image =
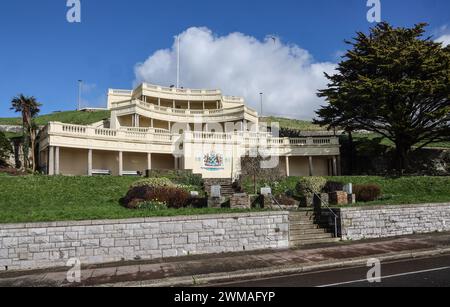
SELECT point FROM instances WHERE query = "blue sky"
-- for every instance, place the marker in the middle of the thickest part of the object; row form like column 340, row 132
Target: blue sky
column 44, row 55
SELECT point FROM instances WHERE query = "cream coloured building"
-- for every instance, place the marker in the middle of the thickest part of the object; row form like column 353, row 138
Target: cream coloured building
column 154, row 127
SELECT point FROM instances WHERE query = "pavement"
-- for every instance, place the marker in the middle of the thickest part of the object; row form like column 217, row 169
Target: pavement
column 222, row 268
column 433, row 271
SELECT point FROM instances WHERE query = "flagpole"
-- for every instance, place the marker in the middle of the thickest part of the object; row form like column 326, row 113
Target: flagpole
column 178, row 61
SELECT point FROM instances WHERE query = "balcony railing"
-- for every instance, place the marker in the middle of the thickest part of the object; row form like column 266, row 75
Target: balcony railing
column 185, row 112
column 160, row 135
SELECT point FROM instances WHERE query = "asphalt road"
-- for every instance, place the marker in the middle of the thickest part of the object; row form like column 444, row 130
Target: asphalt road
column 424, row 272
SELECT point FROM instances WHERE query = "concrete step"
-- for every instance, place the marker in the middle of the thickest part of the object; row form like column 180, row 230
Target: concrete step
column 301, row 218
column 308, row 231
column 301, row 222
column 302, row 213
column 314, row 241
column 313, row 236
column 303, row 227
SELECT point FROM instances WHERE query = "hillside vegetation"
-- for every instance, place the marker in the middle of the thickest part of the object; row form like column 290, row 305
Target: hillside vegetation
column 68, row 117
column 294, row 124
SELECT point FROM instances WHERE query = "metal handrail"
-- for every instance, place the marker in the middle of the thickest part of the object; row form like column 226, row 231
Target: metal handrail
column 276, row 201
column 326, row 204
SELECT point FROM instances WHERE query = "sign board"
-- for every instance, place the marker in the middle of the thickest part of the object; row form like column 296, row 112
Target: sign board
column 348, row 188
column 194, row 194
column 266, row 191
column 215, row 191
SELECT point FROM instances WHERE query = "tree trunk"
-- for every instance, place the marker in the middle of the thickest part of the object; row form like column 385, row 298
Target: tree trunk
column 352, row 152
column 254, row 184
column 33, row 148
column 401, row 157
column 26, row 150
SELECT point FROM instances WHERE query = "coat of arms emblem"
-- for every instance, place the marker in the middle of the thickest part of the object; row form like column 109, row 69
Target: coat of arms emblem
column 213, row 161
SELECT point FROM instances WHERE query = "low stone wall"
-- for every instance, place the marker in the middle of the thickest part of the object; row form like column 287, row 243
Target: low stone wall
column 45, row 245
column 388, row 221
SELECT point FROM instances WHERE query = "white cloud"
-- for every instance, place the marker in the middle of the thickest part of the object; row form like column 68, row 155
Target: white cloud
column 445, row 39
column 242, row 65
column 443, row 34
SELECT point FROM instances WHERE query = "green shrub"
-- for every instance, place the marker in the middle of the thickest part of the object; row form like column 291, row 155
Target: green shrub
column 178, row 176
column 367, row 192
column 333, row 186
column 153, row 182
column 307, row 186
column 5, row 149
column 173, row 196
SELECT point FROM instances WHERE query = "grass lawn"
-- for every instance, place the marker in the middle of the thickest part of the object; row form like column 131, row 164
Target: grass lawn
column 69, row 117
column 396, row 191
column 45, row 199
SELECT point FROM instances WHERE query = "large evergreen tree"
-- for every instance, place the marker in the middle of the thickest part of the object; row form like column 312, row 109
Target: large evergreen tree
column 394, row 82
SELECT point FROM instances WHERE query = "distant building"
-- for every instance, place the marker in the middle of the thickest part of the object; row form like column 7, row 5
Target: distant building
column 154, row 127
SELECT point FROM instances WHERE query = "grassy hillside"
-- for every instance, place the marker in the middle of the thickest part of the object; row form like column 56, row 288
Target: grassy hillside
column 69, row 117
column 294, row 124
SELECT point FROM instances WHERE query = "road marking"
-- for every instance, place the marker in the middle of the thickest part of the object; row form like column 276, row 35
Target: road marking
column 385, row 277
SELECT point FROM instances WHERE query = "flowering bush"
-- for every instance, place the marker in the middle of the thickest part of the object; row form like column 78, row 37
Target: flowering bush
column 307, row 186
column 153, row 182
column 173, row 196
column 152, row 205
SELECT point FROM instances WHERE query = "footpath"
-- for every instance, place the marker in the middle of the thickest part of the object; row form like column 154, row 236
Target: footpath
column 210, row 269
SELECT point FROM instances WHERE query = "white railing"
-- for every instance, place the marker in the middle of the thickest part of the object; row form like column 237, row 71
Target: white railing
column 180, row 91
column 162, row 135
column 185, row 112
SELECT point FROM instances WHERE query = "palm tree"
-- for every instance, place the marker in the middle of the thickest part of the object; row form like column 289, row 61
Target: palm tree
column 29, row 107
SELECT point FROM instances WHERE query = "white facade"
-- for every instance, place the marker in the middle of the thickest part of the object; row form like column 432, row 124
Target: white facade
column 153, row 127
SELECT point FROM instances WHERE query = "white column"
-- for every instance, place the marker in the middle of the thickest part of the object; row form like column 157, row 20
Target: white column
column 57, row 169
column 189, row 105
column 311, row 166
column 138, row 121
column 174, row 104
column 120, row 163
column 203, row 105
column 89, row 166
column 335, row 172
column 152, row 124
column 169, row 126
column 51, row 161
column 288, row 173
column 149, row 161
column 159, row 101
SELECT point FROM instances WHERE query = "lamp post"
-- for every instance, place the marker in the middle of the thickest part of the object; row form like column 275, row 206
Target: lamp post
column 80, row 84
column 262, row 110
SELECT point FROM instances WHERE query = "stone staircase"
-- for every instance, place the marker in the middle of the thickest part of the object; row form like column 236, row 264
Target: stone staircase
column 225, row 184
column 303, row 230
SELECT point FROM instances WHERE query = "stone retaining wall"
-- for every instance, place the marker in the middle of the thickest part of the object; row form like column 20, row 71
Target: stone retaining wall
column 388, row 221
column 45, row 245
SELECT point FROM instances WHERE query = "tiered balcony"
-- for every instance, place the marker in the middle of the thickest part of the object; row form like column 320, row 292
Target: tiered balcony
column 134, row 139
column 184, row 115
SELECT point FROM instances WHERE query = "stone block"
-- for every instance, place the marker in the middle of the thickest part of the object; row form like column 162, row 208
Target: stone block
column 338, row 198
column 240, row 201
column 351, row 199
column 149, row 244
